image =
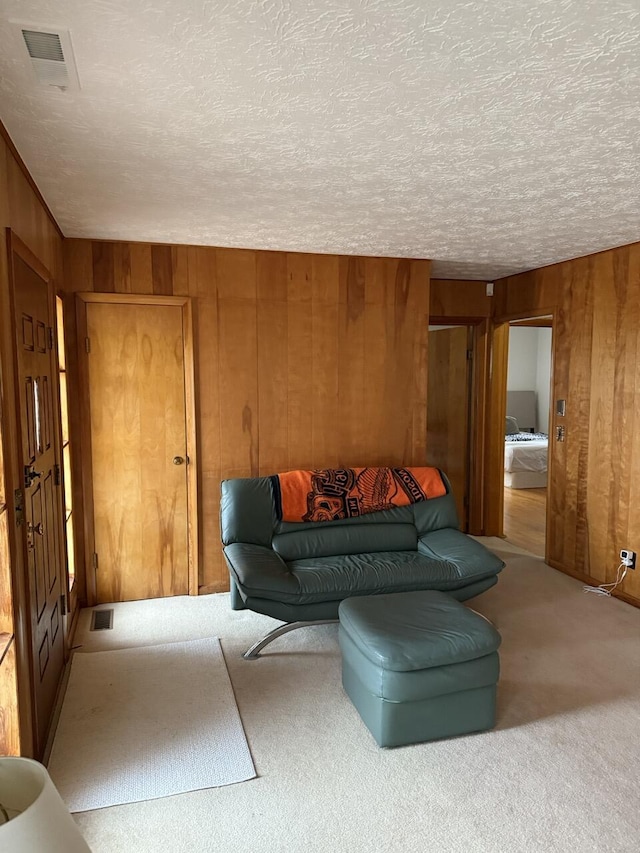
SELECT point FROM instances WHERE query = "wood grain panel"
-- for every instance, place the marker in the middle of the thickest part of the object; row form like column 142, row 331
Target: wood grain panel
column 299, row 384
column 325, row 278
column 299, row 277
column 273, row 384
column 301, row 360
column 529, row 294
column 102, row 262
column 236, row 273
column 271, row 276
column 6, row 593
column 420, row 289
column 326, row 435
column 121, row 267
column 9, row 720
column 459, row 300
column 202, row 271
column 180, row 270
column 141, row 270
column 237, row 342
column 78, row 261
column 162, row 270
column 380, row 397
column 594, row 507
column 207, row 398
column 351, row 364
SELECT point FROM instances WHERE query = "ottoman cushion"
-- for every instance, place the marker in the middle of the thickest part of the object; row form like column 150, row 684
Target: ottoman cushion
column 416, row 630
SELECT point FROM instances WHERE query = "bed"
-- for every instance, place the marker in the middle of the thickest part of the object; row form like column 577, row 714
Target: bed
column 525, row 460
column 525, row 451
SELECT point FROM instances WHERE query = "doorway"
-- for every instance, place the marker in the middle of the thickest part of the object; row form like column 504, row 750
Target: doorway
column 136, row 357
column 526, row 453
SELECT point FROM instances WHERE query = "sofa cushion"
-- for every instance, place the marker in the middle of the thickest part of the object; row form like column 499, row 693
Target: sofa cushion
column 330, row 540
column 324, row 578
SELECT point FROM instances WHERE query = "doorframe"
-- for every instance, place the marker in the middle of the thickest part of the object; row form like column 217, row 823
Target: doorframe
column 185, row 303
column 494, row 481
column 22, row 592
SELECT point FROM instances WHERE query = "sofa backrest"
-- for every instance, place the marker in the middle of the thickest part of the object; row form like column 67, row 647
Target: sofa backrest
column 247, row 514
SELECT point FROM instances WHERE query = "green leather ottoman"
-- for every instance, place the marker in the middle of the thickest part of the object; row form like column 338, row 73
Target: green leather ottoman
column 418, row 666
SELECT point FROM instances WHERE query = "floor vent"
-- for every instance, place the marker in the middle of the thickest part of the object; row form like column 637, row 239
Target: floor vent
column 101, row 620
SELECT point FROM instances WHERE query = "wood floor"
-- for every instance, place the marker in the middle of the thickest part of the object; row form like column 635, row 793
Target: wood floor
column 525, row 513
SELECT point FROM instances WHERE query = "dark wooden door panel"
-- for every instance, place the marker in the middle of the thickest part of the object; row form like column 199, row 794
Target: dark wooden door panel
column 34, row 544
column 28, row 422
column 43, row 511
column 448, row 404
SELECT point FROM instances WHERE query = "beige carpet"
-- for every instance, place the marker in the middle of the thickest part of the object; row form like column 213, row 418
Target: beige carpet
column 561, row 772
column 142, row 723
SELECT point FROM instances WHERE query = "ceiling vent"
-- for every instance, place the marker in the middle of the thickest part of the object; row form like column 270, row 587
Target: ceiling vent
column 51, row 56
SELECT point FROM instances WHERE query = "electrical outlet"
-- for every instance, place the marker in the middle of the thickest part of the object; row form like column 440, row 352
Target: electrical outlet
column 628, row 558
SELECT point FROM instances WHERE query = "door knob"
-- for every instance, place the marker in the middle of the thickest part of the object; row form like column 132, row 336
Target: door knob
column 178, row 460
column 30, row 475
column 36, row 528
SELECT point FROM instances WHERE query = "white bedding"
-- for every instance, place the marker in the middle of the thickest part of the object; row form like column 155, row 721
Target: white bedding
column 526, row 455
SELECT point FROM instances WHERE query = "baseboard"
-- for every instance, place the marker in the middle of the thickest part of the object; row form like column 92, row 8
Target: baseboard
column 587, row 579
column 209, row 589
column 574, row 573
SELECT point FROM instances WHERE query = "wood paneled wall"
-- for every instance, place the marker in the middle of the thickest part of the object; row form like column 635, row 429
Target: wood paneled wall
column 301, row 360
column 22, row 210
column 595, row 472
column 459, row 300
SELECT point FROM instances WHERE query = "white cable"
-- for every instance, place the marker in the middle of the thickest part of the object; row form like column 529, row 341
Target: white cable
column 608, row 588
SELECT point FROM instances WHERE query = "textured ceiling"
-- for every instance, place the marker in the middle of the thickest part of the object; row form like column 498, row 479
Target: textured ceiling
column 492, row 137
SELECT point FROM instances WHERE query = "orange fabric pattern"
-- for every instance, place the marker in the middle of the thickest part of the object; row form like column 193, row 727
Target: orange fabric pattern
column 334, row 493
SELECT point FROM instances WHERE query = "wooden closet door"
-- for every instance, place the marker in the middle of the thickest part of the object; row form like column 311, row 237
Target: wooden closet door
column 136, row 375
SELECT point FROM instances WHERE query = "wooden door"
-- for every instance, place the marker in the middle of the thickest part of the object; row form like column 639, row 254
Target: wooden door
column 40, row 464
column 138, row 438
column 448, row 404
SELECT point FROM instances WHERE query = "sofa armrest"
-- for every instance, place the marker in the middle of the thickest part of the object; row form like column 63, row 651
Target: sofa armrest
column 258, row 570
column 470, row 557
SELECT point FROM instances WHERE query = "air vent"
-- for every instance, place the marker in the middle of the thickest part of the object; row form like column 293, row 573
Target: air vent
column 51, row 56
column 43, row 45
column 101, row 620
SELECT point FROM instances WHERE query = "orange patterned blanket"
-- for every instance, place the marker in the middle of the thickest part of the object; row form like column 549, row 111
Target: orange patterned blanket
column 334, row 493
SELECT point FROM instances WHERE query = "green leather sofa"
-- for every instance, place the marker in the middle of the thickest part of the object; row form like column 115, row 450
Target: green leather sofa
column 300, row 572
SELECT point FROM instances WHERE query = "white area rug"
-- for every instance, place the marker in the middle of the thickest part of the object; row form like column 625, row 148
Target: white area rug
column 143, row 723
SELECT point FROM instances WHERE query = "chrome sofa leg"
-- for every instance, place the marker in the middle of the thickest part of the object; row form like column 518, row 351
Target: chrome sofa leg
column 256, row 648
